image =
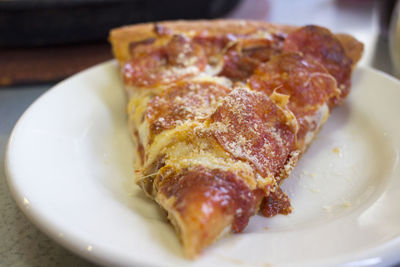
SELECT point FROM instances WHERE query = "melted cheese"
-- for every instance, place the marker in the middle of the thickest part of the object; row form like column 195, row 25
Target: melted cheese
column 186, row 145
column 319, row 118
column 173, row 143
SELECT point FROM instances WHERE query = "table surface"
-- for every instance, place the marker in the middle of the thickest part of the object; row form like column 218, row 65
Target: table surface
column 22, row 244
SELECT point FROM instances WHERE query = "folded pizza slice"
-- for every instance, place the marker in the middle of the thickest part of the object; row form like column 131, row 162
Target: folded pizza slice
column 222, row 110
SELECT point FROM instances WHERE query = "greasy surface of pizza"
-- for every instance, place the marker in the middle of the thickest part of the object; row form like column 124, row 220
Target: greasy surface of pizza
column 222, row 110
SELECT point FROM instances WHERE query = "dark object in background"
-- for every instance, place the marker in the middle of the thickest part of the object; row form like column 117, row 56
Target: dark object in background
column 50, row 63
column 385, row 10
column 49, row 22
column 48, row 40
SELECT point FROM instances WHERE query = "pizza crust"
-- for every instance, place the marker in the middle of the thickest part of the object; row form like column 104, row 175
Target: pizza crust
column 122, row 37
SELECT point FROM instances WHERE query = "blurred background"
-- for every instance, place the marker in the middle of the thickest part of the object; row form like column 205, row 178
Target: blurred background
column 48, row 40
column 45, row 41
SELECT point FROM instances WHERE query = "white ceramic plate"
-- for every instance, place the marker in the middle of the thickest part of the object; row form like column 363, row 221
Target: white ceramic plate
column 69, row 164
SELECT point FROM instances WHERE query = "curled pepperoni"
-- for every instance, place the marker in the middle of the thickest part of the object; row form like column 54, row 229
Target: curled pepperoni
column 152, row 64
column 213, row 46
column 183, row 101
column 321, row 44
column 241, row 59
column 203, row 195
column 277, row 202
column 141, row 47
column 306, row 82
column 250, row 126
column 353, row 48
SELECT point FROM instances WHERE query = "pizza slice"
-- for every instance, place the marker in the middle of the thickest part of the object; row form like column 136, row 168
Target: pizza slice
column 222, row 110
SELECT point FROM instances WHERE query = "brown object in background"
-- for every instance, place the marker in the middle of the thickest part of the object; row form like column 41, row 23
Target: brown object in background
column 48, row 64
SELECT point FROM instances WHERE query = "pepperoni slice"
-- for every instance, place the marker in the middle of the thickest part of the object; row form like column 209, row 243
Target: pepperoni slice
column 277, row 202
column 353, row 48
column 203, row 195
column 183, row 101
column 320, row 43
column 303, row 79
column 213, row 46
column 250, row 126
column 151, row 64
column 141, row 47
column 241, row 59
